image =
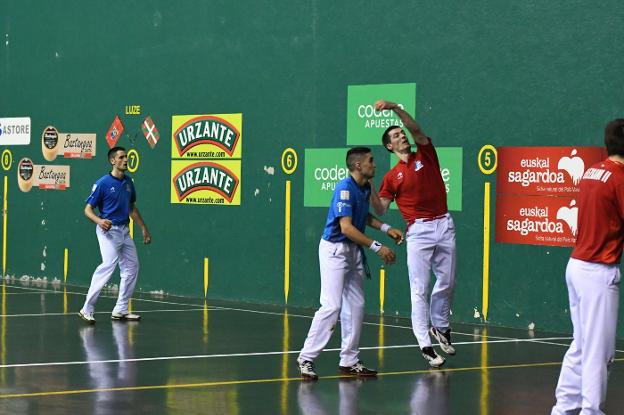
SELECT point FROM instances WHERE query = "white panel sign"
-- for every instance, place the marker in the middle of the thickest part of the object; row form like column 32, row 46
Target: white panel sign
column 15, row 131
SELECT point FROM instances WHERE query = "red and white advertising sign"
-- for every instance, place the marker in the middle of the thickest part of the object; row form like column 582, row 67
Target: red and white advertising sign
column 536, row 220
column 544, row 170
column 114, row 132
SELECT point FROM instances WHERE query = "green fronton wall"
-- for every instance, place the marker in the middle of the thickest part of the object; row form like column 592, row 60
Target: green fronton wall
column 505, row 73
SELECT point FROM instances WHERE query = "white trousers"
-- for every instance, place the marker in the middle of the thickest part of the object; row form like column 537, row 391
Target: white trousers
column 593, row 290
column 431, row 245
column 116, row 247
column 342, row 294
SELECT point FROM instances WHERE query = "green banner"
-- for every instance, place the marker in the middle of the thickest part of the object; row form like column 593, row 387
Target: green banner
column 365, row 125
column 324, row 167
column 451, row 167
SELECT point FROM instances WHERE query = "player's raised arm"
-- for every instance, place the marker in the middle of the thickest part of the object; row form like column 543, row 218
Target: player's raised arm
column 410, row 123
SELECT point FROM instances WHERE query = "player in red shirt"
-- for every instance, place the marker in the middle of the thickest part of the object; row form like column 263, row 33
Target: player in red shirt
column 416, row 185
column 593, row 279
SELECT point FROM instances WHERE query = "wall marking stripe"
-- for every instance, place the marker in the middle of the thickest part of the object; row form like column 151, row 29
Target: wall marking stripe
column 287, row 243
column 486, row 251
column 4, row 226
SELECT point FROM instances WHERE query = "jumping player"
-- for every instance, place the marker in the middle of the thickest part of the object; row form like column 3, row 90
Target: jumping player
column 593, row 279
column 343, row 264
column 114, row 196
column 416, row 185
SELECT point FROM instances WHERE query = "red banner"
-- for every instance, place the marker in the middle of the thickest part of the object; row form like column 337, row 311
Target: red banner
column 544, row 170
column 114, row 132
column 536, row 220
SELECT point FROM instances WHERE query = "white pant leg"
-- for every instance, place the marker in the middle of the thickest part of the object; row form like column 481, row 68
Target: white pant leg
column 129, row 270
column 443, row 263
column 420, row 246
column 568, row 392
column 110, row 245
column 352, row 313
column 334, row 267
column 597, row 290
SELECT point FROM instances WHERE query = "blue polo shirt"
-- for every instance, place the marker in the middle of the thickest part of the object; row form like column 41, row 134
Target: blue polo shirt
column 349, row 199
column 113, row 197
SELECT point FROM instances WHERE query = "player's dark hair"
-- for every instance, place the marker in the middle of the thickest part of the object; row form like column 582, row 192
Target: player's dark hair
column 113, row 152
column 614, row 137
column 385, row 138
column 354, row 155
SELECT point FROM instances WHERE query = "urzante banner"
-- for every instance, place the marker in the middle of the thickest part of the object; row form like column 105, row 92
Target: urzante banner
column 451, row 168
column 544, row 170
column 46, row 177
column 365, row 124
column 205, row 182
column 536, row 220
column 216, row 136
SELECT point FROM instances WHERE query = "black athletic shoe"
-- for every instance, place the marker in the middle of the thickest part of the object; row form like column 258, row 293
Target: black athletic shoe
column 357, row 369
column 444, row 338
column 306, row 368
column 434, row 359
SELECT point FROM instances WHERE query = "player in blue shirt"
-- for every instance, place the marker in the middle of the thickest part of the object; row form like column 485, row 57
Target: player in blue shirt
column 114, row 196
column 343, row 264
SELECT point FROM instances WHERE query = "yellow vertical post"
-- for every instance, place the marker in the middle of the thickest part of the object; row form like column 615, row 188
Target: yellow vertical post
column 382, row 289
column 287, row 243
column 66, row 257
column 4, row 226
column 486, row 250
column 205, row 277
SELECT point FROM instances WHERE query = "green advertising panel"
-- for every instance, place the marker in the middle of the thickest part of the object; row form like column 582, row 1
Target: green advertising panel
column 451, row 166
column 365, row 125
column 324, row 167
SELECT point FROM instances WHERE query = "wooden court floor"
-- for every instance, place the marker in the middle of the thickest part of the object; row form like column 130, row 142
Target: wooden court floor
column 187, row 357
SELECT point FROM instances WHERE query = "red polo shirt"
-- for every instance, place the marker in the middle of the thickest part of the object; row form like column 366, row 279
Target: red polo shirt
column 417, row 186
column 601, row 214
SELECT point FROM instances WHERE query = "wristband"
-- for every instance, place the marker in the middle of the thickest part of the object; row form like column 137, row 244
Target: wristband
column 385, row 228
column 375, row 246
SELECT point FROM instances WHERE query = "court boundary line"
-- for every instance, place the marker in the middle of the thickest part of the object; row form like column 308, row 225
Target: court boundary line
column 248, row 354
column 75, row 313
column 217, row 308
column 272, row 380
